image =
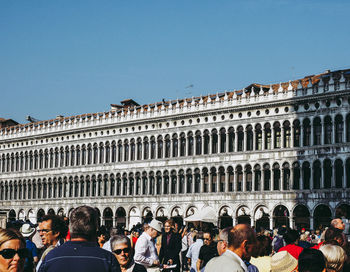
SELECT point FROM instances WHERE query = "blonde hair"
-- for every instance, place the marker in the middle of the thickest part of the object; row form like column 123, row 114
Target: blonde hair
column 335, row 257
column 10, row 234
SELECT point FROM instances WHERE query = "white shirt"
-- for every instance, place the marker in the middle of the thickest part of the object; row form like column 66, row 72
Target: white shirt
column 145, row 250
column 239, row 258
column 107, row 246
column 193, row 253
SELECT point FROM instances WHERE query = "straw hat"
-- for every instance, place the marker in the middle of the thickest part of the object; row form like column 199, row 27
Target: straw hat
column 157, row 225
column 27, row 230
column 283, row 262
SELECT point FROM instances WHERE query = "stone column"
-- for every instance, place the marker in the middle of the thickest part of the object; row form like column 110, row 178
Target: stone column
column 283, row 135
column 312, row 142
column 244, row 185
column 254, row 138
column 291, row 221
column 227, row 141
column 193, row 183
column 272, row 180
column 262, row 187
column 219, row 142
column 311, row 176
column 291, row 178
column 201, row 184
column 333, row 130
column 322, row 129
column 301, row 135
column 273, row 137
column 271, row 221
column 283, row 173
column 178, row 185
column 311, row 222
column 236, row 140
column 344, row 129
column 245, row 139
column 210, row 143
column 322, row 178
column 292, row 133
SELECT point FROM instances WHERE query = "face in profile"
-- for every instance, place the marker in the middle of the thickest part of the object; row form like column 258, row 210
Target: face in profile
column 13, row 253
column 122, row 253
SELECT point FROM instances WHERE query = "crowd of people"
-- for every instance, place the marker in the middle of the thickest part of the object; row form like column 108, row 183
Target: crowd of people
column 80, row 244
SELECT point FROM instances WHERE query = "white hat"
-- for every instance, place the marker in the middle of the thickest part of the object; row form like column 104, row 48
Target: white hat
column 283, row 262
column 26, row 230
column 157, row 225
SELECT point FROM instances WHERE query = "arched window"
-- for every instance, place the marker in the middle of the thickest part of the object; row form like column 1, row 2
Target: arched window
column 57, row 158
column 267, row 128
column 190, row 148
column 158, row 182
column 72, row 155
column 214, row 141
column 249, row 177
column 205, row 177
column 197, row 180
column 181, row 182
column 267, row 177
column 306, row 175
column 277, row 136
column 317, row 174
column 114, row 152
column 250, row 135
column 145, row 148
column 287, row 134
column 108, row 152
column 240, row 137
column 189, row 179
column 239, row 175
column 222, row 179
column 31, row 160
column 296, row 132
column 231, row 139
column 214, row 181
column 257, row 181
column 307, row 132
column 132, row 150
column 126, row 150
column 160, row 147
column 175, row 146
column 153, row 147
column 131, row 184
column 95, row 154
column 182, row 144
column 52, row 158
column 35, row 161
column 339, row 172
column 339, row 129
column 67, row 157
column 327, row 173
column 258, row 137
column 166, row 180
column 120, row 151
column 102, row 149
column 206, row 139
column 41, row 160
column 198, row 143
column 230, row 178
column 173, row 182
column 89, row 151
column 328, row 130
column 317, row 126
column 222, row 140
column 296, row 176
column 276, row 177
column 139, row 149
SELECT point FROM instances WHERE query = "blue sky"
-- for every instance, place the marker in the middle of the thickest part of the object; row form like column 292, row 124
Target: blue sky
column 72, row 57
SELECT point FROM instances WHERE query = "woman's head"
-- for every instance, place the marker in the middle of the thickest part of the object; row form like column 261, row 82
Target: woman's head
column 12, row 250
column 169, row 225
column 335, row 256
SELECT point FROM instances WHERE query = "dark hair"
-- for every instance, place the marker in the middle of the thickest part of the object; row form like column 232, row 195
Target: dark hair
column 333, row 234
column 57, row 224
column 240, row 233
column 264, row 246
column 311, row 260
column 291, row 236
column 11, row 234
column 83, row 223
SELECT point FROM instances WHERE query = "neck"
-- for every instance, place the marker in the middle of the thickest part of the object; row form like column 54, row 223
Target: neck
column 237, row 251
column 79, row 239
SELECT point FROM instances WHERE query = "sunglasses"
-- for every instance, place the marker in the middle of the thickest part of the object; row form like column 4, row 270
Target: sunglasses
column 9, row 253
column 119, row 251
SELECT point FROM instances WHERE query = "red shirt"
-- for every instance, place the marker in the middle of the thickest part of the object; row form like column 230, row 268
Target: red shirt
column 292, row 249
column 318, row 246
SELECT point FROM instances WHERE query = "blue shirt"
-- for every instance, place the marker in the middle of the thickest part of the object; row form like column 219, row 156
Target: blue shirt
column 75, row 256
column 28, row 265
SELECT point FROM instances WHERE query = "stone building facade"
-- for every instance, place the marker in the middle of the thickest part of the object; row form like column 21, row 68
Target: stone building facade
column 266, row 155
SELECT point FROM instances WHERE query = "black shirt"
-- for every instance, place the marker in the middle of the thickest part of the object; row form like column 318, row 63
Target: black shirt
column 206, row 253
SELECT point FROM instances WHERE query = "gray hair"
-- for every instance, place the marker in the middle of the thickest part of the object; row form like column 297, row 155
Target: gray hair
column 113, row 231
column 83, row 223
column 224, row 234
column 119, row 239
column 335, row 256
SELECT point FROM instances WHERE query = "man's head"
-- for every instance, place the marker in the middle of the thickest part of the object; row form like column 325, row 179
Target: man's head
column 291, row 236
column 242, row 240
column 334, row 234
column 51, row 229
column 223, row 240
column 83, row 223
column 208, row 238
column 311, row 260
column 121, row 247
column 154, row 228
column 338, row 224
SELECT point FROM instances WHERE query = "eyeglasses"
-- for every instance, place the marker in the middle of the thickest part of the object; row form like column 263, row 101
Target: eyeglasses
column 44, row 230
column 208, row 239
column 9, row 253
column 119, row 251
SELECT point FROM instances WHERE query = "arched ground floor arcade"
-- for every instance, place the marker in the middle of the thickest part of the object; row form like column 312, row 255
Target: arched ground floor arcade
column 306, row 209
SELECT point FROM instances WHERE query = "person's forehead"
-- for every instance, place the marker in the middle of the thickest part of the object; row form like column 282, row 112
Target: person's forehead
column 121, row 245
column 206, row 234
column 46, row 223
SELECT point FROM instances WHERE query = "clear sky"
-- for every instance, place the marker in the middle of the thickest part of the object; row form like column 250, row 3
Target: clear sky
column 71, row 57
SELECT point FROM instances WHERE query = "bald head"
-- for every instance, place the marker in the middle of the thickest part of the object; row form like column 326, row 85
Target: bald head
column 239, row 234
column 338, row 224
